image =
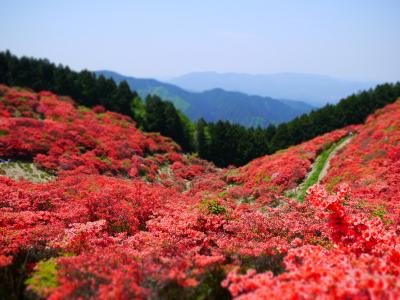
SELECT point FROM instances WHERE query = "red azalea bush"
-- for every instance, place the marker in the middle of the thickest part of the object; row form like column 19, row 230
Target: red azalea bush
column 364, row 264
column 370, row 164
column 285, row 169
column 129, row 216
column 67, row 139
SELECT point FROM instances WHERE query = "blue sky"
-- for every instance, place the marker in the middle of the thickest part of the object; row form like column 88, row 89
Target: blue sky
column 351, row 39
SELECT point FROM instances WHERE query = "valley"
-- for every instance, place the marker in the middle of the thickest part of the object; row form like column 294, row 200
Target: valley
column 199, row 150
column 216, row 104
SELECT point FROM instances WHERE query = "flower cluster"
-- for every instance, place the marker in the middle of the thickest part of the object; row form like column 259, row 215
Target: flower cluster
column 66, row 139
column 364, row 263
column 285, row 169
column 370, row 164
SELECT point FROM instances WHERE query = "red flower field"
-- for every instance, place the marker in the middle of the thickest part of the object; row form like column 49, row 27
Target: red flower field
column 125, row 214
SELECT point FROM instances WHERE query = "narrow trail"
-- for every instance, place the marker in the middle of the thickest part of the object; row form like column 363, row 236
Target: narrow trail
column 320, row 167
column 327, row 165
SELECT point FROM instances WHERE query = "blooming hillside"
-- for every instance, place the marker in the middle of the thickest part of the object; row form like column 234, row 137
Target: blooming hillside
column 371, row 166
column 124, row 214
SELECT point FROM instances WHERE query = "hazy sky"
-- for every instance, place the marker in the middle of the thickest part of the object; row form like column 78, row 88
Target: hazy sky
column 356, row 39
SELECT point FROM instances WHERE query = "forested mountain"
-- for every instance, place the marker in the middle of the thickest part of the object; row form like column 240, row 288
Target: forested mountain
column 314, row 89
column 218, row 104
column 241, row 145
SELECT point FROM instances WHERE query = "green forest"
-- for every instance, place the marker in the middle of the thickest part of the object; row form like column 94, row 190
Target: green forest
column 221, row 142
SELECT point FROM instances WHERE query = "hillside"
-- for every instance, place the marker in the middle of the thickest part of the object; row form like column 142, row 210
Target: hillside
column 123, row 214
column 314, row 89
column 240, row 145
column 218, row 104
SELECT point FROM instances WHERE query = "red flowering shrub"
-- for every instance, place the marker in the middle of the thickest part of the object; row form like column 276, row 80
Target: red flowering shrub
column 285, row 169
column 102, row 274
column 364, row 265
column 69, row 140
column 370, row 164
column 129, row 216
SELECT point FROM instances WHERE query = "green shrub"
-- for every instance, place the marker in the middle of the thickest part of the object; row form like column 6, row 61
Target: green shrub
column 44, row 278
column 213, row 207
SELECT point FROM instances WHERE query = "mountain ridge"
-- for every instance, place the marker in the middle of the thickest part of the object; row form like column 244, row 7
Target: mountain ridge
column 216, row 104
column 315, row 89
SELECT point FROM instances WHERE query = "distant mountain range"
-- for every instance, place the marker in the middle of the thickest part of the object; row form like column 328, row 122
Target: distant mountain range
column 218, row 104
column 313, row 89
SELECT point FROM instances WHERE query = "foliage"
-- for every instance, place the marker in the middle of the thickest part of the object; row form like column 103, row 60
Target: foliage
column 44, row 278
column 162, row 117
column 213, row 206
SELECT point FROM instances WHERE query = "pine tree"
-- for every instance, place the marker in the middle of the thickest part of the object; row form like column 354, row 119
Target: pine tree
column 201, row 140
column 122, row 99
